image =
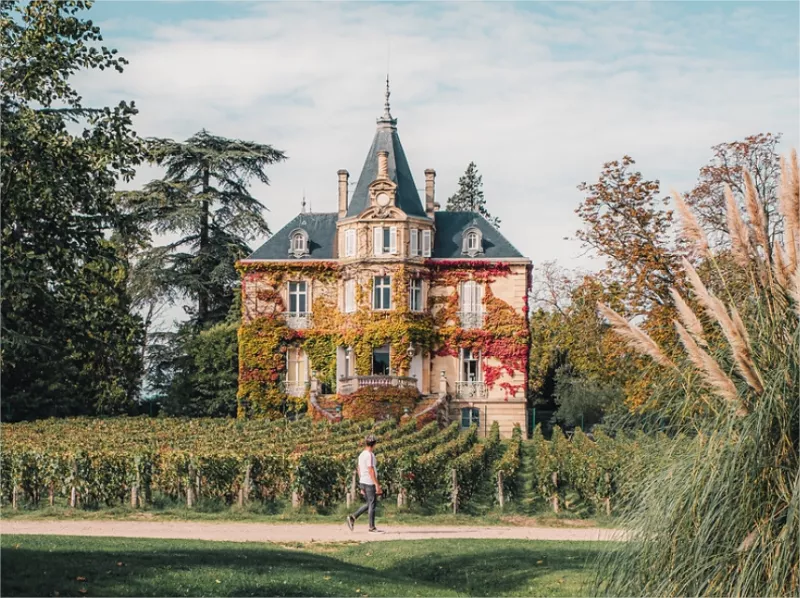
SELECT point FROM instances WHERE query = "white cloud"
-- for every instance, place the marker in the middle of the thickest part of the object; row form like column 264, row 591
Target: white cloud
column 538, row 99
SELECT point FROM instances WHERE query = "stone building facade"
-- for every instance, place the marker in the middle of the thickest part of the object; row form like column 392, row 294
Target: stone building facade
column 386, row 293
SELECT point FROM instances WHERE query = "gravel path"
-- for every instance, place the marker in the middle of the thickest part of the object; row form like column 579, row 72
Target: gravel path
column 295, row 532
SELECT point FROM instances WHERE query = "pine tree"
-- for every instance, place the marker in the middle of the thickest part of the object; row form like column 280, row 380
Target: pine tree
column 469, row 197
column 205, row 200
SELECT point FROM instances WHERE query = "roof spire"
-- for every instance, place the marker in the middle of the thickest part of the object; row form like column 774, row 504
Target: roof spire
column 303, row 204
column 387, row 114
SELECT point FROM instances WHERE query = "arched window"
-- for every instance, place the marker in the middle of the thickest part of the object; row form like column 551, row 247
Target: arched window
column 298, row 243
column 472, row 242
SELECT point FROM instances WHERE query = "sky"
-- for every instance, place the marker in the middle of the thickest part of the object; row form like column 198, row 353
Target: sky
column 538, row 94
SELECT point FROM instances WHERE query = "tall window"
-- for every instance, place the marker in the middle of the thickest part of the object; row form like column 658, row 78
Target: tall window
column 471, row 297
column 380, row 361
column 473, row 243
column 413, row 242
column 470, row 366
column 470, row 416
column 415, row 294
column 298, row 298
column 298, row 242
column 426, row 243
column 349, row 296
column 349, row 243
column 296, row 367
column 382, row 293
column 384, row 240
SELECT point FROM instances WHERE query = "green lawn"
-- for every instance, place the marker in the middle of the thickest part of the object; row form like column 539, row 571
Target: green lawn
column 74, row 566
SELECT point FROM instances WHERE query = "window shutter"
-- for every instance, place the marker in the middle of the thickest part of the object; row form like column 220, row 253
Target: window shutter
column 477, row 300
column 350, row 243
column 393, row 240
column 413, row 242
column 377, row 240
column 426, row 243
column 466, row 297
column 349, row 296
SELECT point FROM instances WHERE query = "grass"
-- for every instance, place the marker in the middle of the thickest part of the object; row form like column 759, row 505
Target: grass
column 387, row 512
column 79, row 566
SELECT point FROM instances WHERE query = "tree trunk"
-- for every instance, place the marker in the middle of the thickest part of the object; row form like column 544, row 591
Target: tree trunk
column 190, row 487
column 51, row 492
column 202, row 295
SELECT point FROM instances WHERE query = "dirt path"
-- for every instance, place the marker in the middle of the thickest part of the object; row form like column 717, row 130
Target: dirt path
column 295, row 532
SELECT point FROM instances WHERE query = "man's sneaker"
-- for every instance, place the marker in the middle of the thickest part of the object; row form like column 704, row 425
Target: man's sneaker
column 351, row 522
column 375, row 530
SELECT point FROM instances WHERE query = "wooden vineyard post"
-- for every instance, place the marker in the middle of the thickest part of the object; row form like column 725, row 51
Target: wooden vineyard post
column 73, row 497
column 402, row 498
column 554, row 478
column 454, row 495
column 295, row 499
column 190, row 487
column 244, row 491
column 51, row 491
column 134, row 496
column 500, row 497
column 15, row 497
column 608, row 498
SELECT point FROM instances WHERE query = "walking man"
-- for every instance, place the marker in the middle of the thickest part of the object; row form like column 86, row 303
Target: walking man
column 368, row 480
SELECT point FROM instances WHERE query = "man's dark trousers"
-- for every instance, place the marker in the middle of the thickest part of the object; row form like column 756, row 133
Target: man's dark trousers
column 369, row 494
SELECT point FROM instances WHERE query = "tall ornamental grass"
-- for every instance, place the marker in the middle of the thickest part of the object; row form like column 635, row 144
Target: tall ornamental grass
column 723, row 519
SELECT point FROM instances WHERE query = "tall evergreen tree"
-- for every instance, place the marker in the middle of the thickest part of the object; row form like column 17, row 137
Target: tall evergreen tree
column 205, row 200
column 69, row 339
column 469, row 197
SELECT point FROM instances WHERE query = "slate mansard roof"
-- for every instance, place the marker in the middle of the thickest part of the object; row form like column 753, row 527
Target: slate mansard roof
column 321, row 230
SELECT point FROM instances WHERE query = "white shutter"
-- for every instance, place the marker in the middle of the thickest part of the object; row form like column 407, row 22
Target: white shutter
column 413, row 242
column 466, row 297
column 349, row 296
column 350, row 243
column 340, row 369
column 477, row 299
column 426, row 243
column 393, row 240
column 377, row 240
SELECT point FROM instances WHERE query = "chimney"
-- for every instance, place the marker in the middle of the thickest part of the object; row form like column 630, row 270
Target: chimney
column 430, row 178
column 344, row 177
column 383, row 164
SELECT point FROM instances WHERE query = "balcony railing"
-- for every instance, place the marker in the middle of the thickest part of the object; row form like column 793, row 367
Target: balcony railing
column 471, row 319
column 351, row 384
column 297, row 320
column 295, row 389
column 472, row 390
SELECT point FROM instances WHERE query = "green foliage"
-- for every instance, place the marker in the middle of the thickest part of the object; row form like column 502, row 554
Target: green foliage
column 583, row 402
column 69, row 341
column 469, row 197
column 510, row 464
column 206, row 373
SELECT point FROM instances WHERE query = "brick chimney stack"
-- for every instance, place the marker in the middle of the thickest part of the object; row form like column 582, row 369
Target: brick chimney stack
column 430, row 184
column 344, row 177
column 383, row 164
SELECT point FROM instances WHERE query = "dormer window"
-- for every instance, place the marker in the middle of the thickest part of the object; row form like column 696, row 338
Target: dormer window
column 472, row 242
column 298, row 243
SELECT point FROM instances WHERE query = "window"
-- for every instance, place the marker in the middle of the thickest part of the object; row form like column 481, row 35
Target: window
column 471, row 297
column 415, row 294
column 384, row 240
column 380, row 361
column 298, row 243
column 426, row 243
column 470, row 366
column 413, row 242
column 298, row 298
column 382, row 292
column 472, row 242
column 296, row 366
column 349, row 243
column 470, row 416
column 349, row 296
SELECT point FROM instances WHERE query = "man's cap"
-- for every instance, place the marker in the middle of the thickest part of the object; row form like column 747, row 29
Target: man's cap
column 370, row 439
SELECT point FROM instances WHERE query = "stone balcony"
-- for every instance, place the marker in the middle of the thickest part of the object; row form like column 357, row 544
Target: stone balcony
column 297, row 320
column 295, row 389
column 471, row 390
column 471, row 319
column 349, row 385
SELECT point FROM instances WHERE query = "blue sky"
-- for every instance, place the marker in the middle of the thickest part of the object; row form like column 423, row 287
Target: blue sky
column 538, row 94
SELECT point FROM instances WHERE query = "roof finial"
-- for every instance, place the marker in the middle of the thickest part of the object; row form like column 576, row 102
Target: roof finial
column 386, row 113
column 303, row 204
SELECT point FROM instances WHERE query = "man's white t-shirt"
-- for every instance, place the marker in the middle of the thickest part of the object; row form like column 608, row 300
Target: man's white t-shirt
column 365, row 459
